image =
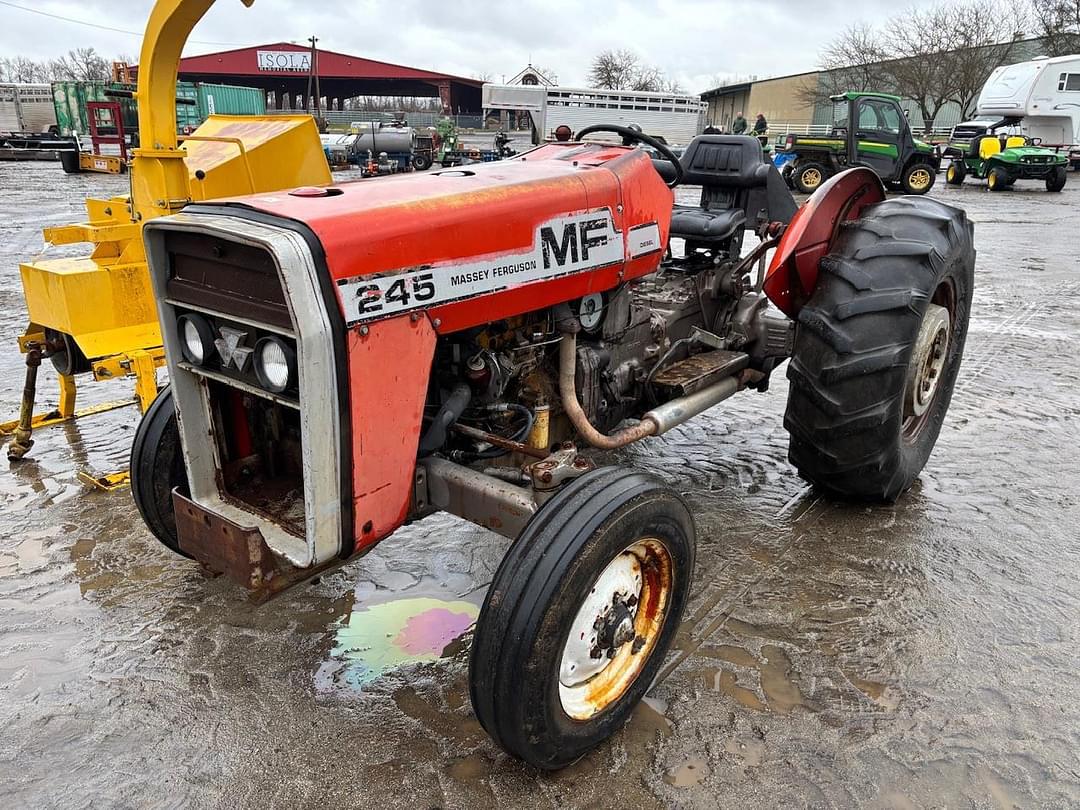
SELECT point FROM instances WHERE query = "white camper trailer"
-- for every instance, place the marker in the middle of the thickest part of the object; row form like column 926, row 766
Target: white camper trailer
column 1041, row 98
column 675, row 118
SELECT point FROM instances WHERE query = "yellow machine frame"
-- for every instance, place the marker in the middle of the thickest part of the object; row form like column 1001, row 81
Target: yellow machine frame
column 102, row 305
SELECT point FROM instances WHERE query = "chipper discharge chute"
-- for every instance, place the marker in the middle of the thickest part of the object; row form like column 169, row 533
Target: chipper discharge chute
column 95, row 315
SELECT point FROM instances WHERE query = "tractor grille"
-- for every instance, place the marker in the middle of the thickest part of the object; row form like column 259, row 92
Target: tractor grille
column 226, row 277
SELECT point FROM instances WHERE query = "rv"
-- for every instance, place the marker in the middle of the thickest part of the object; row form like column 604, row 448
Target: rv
column 675, row 119
column 1039, row 99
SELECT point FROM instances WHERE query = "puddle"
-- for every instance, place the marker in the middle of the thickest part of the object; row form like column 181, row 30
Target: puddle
column 380, row 636
column 688, row 773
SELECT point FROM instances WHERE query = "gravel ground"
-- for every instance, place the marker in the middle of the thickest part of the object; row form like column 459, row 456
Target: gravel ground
column 918, row 655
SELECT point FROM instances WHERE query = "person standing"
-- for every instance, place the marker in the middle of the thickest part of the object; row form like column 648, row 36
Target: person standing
column 739, row 125
column 761, row 126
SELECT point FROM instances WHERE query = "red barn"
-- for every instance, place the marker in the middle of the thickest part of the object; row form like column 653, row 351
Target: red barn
column 282, row 69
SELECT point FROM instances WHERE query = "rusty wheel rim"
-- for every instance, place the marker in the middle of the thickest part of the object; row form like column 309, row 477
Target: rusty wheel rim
column 616, row 629
column 929, row 360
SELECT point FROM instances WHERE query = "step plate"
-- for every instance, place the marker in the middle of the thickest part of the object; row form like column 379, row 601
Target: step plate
column 699, row 371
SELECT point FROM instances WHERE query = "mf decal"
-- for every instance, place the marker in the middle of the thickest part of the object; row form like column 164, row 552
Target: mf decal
column 571, row 244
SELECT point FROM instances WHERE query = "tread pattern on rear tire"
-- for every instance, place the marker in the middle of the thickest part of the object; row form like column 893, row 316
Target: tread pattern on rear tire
column 854, row 341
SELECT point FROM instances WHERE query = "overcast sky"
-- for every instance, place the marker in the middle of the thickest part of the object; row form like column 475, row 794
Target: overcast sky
column 695, row 42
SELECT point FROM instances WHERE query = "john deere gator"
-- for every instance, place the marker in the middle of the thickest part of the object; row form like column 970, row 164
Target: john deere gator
column 880, row 140
column 1002, row 158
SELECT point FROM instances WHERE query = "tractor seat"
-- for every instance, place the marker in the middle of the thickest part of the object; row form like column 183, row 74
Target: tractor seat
column 690, row 222
column 739, row 188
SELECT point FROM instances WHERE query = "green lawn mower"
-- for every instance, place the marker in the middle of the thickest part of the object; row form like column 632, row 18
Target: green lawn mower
column 881, row 140
column 1001, row 160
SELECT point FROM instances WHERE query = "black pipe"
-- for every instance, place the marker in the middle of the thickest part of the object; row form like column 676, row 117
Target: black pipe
column 435, row 436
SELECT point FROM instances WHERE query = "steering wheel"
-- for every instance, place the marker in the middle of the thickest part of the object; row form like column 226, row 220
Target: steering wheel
column 630, row 136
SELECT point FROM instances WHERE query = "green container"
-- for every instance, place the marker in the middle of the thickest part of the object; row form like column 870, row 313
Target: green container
column 225, row 99
column 70, row 99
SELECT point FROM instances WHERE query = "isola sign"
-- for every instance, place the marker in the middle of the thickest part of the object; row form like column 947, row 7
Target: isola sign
column 298, row 61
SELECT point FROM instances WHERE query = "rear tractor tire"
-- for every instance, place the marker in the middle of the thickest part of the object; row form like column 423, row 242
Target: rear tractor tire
column 808, row 177
column 878, row 347
column 157, row 467
column 1055, row 181
column 956, row 173
column 580, row 616
column 918, row 178
column 998, row 179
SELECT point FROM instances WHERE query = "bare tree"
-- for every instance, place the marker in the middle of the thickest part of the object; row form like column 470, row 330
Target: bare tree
column 985, row 39
column 849, row 62
column 81, row 64
column 614, row 70
column 1057, row 22
column 22, row 70
column 624, row 70
column 930, row 56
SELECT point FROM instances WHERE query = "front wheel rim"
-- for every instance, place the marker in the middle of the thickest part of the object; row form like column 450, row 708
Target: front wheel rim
column 811, row 178
column 616, row 629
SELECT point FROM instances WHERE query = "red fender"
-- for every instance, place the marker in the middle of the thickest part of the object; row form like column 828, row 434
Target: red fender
column 793, row 273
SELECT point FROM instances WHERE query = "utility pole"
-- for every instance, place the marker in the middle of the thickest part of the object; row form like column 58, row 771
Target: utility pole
column 313, row 73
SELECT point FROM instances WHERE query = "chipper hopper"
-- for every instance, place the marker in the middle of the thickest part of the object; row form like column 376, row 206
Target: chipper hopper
column 95, row 315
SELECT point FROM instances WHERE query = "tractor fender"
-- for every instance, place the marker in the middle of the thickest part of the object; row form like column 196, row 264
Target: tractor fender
column 793, row 273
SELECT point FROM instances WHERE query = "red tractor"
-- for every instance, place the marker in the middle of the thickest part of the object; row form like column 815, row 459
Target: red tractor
column 346, row 360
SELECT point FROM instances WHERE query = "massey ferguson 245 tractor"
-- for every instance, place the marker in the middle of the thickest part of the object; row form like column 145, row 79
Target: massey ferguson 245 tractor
column 347, row 359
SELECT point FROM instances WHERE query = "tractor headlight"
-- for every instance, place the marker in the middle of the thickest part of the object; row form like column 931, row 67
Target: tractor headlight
column 275, row 364
column 196, row 338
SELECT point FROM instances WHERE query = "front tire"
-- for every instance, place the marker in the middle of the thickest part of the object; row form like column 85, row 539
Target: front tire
column 878, row 347
column 157, row 467
column 808, row 177
column 956, row 172
column 580, row 615
column 1055, row 181
column 998, row 179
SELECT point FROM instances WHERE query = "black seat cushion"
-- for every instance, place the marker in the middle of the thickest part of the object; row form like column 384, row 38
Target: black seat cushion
column 706, row 226
column 730, row 161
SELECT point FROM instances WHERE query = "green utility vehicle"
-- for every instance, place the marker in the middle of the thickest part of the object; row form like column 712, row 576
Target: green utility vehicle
column 881, row 140
column 1002, row 159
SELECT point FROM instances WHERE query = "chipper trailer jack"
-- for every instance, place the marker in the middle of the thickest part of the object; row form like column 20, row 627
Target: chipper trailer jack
column 348, row 359
column 94, row 316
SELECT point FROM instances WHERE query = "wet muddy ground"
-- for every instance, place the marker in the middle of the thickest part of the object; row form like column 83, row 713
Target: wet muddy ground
column 920, row 655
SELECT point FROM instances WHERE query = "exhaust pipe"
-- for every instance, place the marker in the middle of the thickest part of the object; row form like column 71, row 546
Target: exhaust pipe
column 655, row 423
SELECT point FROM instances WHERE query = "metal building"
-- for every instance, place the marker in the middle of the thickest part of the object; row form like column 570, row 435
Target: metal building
column 281, row 69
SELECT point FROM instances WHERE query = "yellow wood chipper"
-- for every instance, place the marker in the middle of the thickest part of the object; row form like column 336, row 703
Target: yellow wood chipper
column 95, row 316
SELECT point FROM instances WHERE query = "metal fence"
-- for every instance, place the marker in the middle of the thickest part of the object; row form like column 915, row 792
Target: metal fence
column 340, row 119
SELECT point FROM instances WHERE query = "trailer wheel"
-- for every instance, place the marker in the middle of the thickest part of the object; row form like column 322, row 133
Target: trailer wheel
column 808, row 177
column 877, row 348
column 1055, row 181
column 956, row 173
column 421, row 162
column 69, row 359
column 157, row 467
column 580, row 615
column 918, row 178
column 998, row 179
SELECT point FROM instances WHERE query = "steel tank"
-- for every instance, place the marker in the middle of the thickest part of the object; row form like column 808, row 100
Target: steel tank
column 386, row 139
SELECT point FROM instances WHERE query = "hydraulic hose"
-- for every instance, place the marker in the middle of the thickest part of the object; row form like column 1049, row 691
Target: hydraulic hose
column 435, row 436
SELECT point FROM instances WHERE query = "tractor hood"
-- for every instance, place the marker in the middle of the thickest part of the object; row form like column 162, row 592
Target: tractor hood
column 558, row 210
